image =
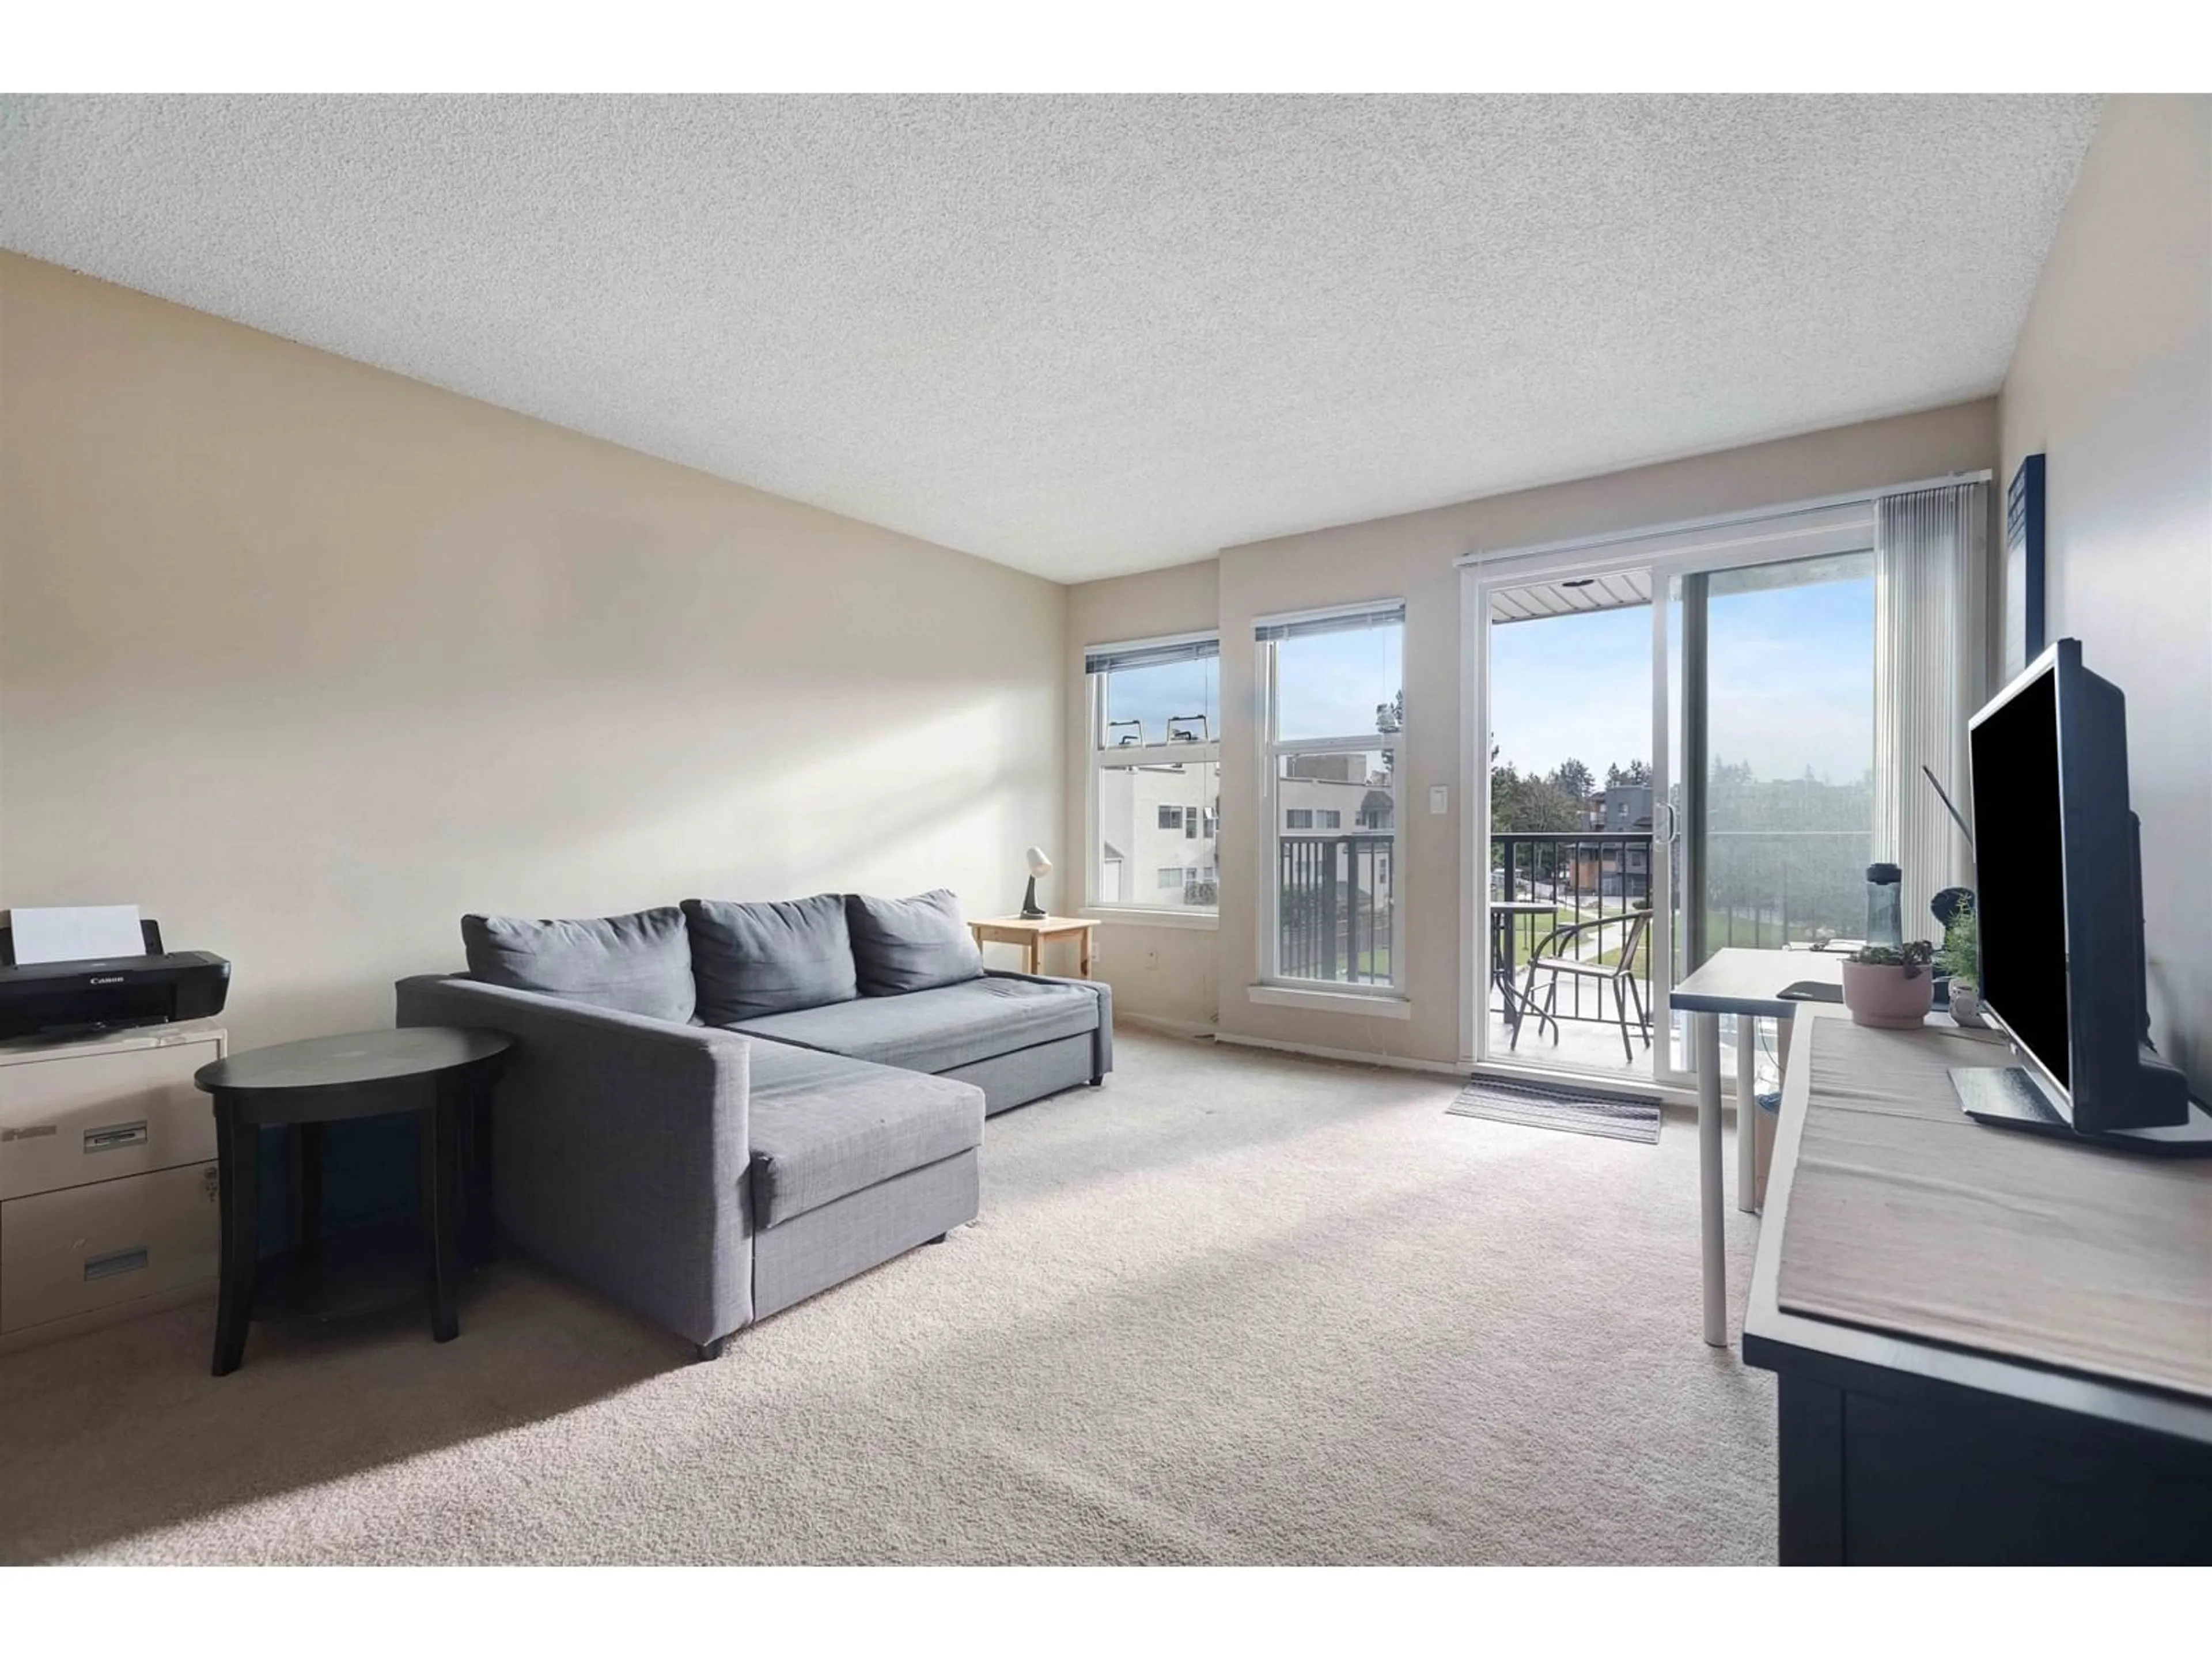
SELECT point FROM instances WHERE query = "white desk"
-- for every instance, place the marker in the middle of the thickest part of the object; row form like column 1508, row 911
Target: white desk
column 1747, row 984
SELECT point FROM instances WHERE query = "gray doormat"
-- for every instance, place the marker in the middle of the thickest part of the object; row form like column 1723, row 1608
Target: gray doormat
column 1550, row 1106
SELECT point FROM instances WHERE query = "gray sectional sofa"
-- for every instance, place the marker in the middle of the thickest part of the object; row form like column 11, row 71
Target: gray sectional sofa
column 713, row 1111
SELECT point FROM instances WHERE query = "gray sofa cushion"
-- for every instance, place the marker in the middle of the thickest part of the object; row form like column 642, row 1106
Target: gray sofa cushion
column 824, row 1126
column 755, row 959
column 910, row 944
column 638, row 965
column 936, row 1029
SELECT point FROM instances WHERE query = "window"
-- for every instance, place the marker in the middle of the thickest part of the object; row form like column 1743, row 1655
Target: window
column 1156, row 722
column 1334, row 719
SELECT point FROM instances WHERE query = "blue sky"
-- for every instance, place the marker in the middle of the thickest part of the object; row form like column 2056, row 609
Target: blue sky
column 1792, row 684
column 1575, row 686
column 1157, row 695
column 1792, row 673
column 1792, row 677
column 1330, row 685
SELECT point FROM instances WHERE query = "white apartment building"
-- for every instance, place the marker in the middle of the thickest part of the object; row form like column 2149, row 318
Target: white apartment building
column 1159, row 830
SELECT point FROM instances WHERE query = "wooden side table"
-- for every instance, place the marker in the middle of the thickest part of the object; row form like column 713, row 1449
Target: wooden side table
column 444, row 1077
column 1031, row 935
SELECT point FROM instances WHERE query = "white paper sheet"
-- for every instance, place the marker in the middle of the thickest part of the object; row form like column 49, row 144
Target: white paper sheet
column 76, row 933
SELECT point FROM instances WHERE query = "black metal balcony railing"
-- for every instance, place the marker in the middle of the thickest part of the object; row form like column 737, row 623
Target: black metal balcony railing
column 1334, row 920
column 1338, row 899
column 1581, row 877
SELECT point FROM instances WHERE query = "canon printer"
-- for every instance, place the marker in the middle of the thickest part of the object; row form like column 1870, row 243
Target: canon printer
column 74, row 998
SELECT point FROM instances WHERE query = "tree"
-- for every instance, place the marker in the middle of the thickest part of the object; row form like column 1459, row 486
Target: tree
column 1391, row 717
column 1574, row 780
column 1635, row 772
column 1530, row 804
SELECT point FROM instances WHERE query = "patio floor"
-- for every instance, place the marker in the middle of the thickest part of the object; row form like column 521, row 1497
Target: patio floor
column 1581, row 1045
column 1593, row 1048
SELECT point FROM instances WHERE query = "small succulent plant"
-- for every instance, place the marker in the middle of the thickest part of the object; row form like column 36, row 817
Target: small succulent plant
column 1911, row 958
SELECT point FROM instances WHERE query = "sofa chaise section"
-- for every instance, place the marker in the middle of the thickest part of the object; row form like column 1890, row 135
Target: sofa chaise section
column 1016, row 1037
column 852, row 1164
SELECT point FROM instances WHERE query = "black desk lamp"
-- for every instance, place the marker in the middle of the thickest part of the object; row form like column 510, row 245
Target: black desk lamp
column 1039, row 865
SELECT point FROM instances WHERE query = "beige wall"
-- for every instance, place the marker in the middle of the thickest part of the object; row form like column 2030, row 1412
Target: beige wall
column 307, row 659
column 2113, row 382
column 1410, row 557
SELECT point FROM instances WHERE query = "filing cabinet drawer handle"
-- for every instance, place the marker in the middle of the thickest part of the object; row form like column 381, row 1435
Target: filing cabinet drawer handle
column 114, row 1135
column 114, row 1262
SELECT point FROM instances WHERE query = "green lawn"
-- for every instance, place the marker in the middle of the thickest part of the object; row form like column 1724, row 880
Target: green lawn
column 1752, row 931
column 1529, row 929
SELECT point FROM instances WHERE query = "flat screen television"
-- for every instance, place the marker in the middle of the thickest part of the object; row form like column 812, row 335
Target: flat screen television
column 2059, row 895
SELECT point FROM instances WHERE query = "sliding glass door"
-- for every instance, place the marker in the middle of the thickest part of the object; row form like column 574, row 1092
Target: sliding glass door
column 1565, row 936
column 1675, row 756
column 1772, row 730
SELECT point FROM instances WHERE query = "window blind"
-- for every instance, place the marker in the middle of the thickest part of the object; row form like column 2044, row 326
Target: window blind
column 1105, row 659
column 1336, row 622
column 1931, row 555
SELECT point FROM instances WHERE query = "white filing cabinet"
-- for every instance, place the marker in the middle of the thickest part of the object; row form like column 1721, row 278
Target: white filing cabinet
column 108, row 1193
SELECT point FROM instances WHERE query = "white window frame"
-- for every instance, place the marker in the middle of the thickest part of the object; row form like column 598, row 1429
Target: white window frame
column 1274, row 986
column 1128, row 906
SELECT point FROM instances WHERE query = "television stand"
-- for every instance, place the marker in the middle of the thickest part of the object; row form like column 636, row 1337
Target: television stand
column 2009, row 1098
column 1988, row 1348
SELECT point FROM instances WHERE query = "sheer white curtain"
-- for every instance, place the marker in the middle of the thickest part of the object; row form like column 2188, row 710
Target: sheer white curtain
column 1931, row 549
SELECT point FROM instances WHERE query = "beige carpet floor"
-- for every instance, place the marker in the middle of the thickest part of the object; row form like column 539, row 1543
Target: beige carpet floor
column 1235, row 1307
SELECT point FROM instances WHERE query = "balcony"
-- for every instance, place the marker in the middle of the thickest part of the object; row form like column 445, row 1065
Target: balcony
column 1597, row 882
column 1764, row 887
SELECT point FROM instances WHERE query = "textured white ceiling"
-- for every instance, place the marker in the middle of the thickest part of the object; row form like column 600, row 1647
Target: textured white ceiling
column 1086, row 335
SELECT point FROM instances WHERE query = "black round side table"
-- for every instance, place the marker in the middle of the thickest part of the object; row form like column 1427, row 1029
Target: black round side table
column 441, row 1074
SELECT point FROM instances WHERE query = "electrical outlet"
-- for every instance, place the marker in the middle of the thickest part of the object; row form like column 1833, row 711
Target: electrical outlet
column 1152, row 961
column 1439, row 800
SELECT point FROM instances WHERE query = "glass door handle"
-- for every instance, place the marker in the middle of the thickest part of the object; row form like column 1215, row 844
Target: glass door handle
column 1674, row 823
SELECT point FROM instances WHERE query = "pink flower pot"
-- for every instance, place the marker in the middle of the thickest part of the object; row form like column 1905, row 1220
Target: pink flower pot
column 1884, row 997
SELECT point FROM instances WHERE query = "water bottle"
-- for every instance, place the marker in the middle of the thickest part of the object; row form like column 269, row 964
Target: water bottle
column 1884, row 905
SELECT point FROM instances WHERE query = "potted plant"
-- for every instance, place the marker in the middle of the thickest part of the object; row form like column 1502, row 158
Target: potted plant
column 1890, row 985
column 1961, row 959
